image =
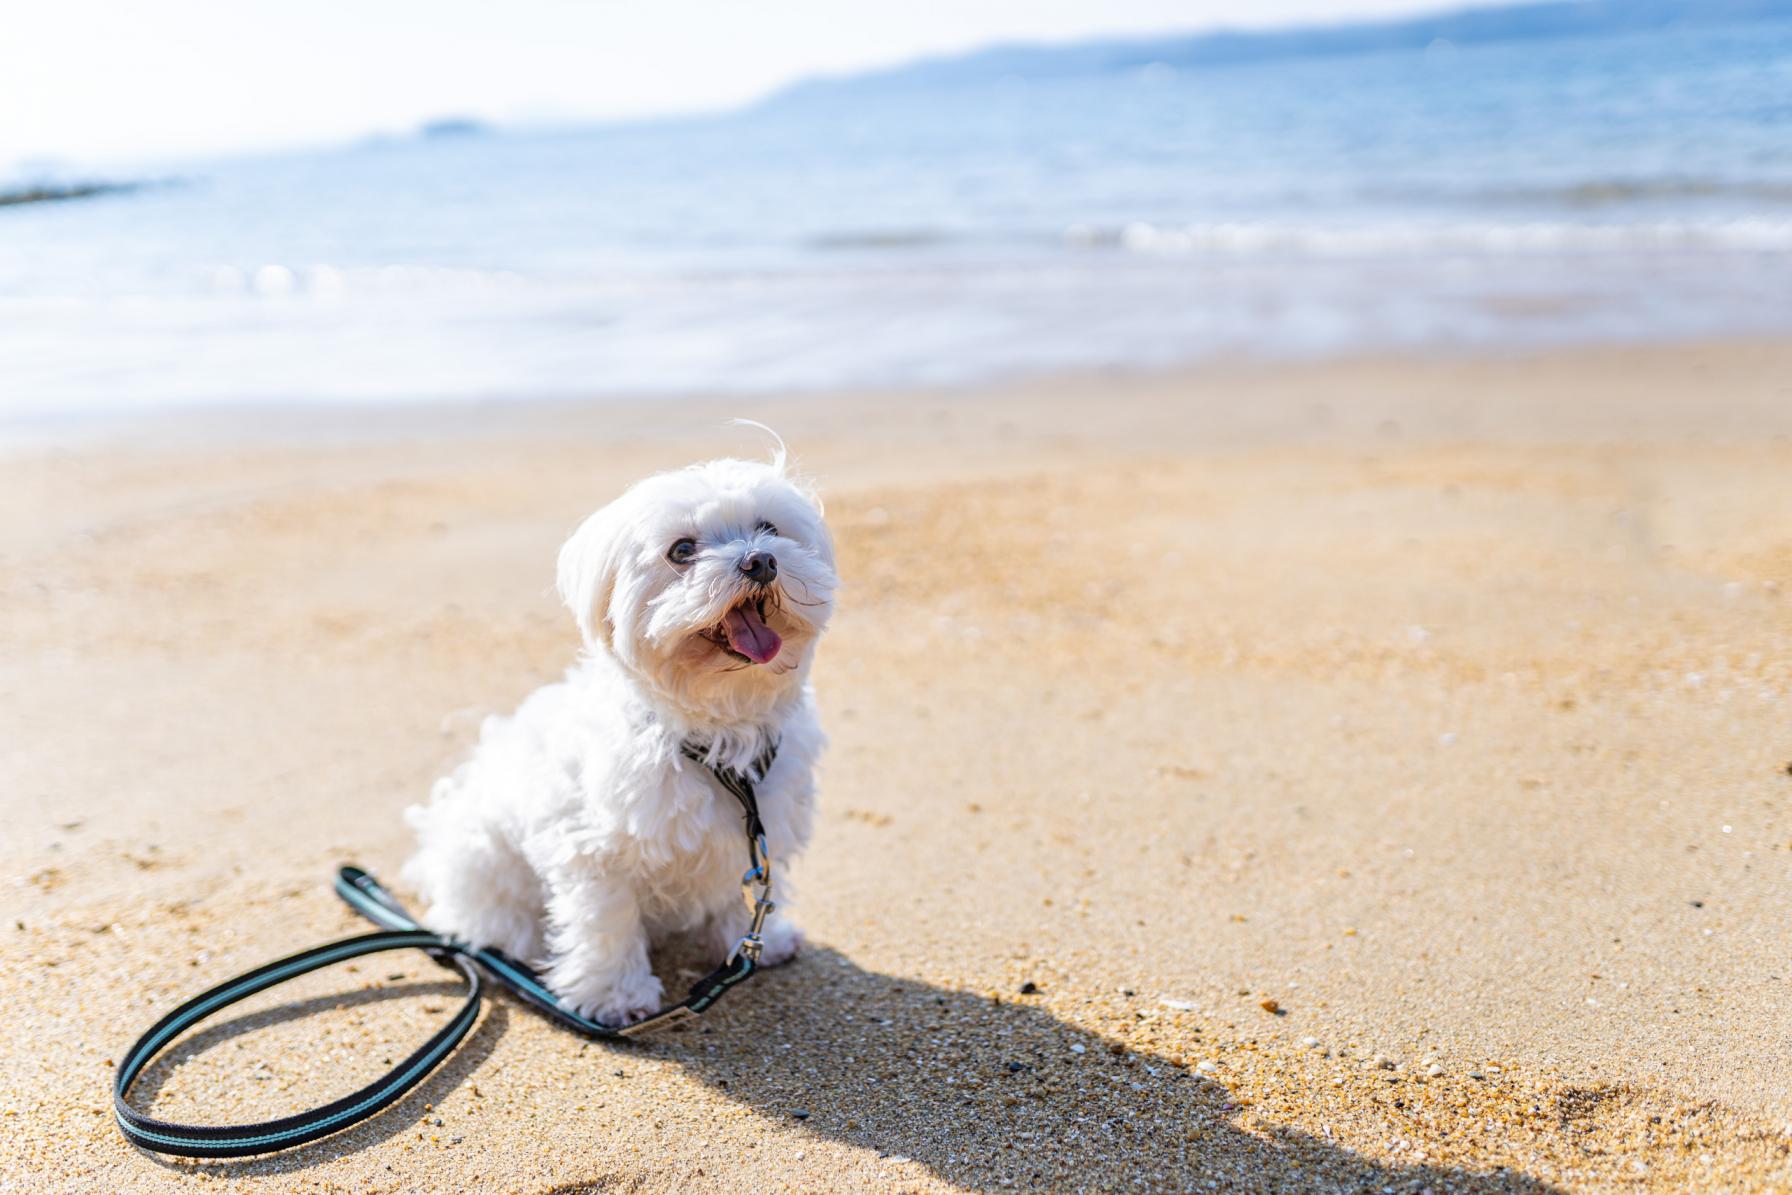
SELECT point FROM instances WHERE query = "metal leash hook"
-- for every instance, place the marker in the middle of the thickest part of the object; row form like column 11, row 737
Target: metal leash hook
column 756, row 890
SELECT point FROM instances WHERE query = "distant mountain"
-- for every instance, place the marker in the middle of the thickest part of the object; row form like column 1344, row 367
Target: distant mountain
column 453, row 126
column 57, row 192
column 1518, row 22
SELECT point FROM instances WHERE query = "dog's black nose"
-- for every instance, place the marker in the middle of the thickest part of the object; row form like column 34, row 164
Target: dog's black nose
column 760, row 567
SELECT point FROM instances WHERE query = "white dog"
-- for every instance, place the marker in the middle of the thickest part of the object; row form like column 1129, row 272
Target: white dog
column 579, row 832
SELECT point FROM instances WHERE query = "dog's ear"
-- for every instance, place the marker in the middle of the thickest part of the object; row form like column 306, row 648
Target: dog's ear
column 586, row 574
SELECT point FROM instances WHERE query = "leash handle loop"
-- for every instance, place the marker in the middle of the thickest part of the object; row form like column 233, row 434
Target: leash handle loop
column 235, row 1141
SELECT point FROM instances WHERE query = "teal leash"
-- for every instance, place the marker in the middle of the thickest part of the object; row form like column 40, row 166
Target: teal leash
column 235, row 1141
column 368, row 897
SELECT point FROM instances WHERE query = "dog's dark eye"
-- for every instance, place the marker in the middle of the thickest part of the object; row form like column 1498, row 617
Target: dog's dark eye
column 766, row 527
column 683, row 552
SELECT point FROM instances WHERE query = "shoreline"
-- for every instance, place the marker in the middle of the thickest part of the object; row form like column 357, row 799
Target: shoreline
column 346, row 421
column 1440, row 703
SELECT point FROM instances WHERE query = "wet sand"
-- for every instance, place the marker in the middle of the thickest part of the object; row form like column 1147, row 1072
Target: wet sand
column 1443, row 706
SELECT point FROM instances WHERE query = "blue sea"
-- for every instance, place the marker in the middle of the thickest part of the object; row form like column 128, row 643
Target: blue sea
column 1498, row 196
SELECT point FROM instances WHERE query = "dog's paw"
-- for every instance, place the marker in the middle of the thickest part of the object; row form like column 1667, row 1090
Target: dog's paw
column 782, row 942
column 615, row 1003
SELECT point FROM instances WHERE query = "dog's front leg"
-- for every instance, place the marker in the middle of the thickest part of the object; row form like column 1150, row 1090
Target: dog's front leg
column 597, row 947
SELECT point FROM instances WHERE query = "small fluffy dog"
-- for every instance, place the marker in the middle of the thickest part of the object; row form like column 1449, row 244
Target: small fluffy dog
column 578, row 832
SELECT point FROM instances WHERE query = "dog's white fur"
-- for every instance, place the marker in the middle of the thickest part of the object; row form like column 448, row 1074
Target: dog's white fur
column 578, row 833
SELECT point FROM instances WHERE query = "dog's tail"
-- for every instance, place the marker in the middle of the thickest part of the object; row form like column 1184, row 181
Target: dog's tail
column 780, row 454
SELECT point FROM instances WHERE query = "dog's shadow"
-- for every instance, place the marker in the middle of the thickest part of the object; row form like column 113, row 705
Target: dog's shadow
column 997, row 1095
column 986, row 1094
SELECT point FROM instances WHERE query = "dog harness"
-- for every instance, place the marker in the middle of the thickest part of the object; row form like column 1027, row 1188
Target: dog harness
column 401, row 931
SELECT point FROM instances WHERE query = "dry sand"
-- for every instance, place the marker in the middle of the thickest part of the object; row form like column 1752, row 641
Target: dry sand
column 1446, row 705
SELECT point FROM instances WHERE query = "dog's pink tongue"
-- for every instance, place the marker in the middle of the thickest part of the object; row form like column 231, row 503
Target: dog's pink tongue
column 748, row 634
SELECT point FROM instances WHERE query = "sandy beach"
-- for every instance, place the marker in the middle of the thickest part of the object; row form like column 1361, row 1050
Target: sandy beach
column 1368, row 774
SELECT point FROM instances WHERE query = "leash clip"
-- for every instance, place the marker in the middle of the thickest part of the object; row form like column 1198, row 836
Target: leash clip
column 756, row 890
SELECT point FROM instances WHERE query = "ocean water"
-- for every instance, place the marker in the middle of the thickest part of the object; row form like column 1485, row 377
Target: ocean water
column 1509, row 195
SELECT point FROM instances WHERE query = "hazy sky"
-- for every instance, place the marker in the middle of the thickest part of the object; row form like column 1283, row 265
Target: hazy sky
column 112, row 80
